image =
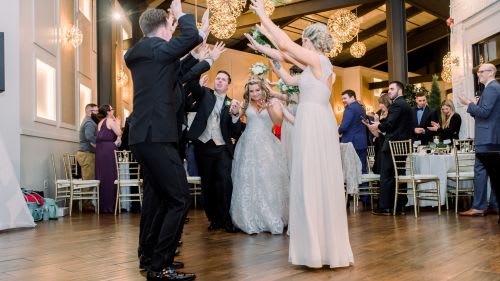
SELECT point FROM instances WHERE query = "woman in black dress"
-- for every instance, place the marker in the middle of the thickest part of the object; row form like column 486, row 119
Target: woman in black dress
column 450, row 122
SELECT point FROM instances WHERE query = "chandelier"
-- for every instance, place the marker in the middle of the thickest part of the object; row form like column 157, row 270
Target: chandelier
column 343, row 25
column 448, row 62
column 358, row 49
column 226, row 8
column 74, row 36
column 269, row 6
column 121, row 78
column 336, row 49
column 222, row 27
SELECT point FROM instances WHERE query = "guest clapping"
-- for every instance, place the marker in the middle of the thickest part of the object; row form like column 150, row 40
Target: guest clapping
column 450, row 121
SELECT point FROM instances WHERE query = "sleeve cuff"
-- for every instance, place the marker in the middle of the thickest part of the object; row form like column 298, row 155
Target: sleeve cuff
column 202, row 34
column 210, row 61
column 195, row 55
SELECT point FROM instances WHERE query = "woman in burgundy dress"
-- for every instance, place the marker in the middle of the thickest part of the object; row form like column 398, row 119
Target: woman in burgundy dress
column 108, row 139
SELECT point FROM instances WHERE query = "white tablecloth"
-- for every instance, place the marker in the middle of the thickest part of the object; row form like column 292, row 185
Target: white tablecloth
column 439, row 165
column 351, row 167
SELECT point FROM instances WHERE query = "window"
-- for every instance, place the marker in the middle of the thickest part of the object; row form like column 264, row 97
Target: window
column 377, row 92
column 45, row 91
column 85, row 98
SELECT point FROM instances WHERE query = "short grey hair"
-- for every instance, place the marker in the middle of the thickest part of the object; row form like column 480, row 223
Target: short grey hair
column 320, row 37
column 151, row 19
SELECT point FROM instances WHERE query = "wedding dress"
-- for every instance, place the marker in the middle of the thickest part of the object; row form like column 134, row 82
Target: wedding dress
column 318, row 220
column 260, row 179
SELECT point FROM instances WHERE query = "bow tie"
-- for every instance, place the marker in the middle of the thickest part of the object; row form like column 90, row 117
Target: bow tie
column 420, row 109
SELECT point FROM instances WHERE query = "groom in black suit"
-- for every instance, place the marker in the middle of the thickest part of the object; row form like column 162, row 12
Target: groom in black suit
column 397, row 127
column 423, row 115
column 216, row 122
column 154, row 63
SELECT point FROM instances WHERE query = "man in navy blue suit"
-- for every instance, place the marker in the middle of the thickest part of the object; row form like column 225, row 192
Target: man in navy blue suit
column 486, row 113
column 351, row 128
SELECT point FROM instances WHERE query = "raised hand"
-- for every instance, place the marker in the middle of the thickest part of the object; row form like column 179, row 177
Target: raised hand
column 217, row 50
column 205, row 26
column 203, row 52
column 204, row 81
column 235, row 107
column 253, row 44
column 258, row 7
column 176, row 8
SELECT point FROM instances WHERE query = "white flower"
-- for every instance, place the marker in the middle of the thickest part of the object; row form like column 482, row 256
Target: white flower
column 258, row 69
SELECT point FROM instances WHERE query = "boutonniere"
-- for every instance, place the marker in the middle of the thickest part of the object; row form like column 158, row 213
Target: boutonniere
column 227, row 102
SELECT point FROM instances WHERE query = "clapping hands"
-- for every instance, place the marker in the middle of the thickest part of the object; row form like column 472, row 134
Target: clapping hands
column 235, row 107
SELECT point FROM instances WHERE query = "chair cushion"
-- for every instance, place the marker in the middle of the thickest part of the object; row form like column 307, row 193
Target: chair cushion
column 420, row 177
column 463, row 175
column 129, row 182
column 370, row 177
column 194, row 180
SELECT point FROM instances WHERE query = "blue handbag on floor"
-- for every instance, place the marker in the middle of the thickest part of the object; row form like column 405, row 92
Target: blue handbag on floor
column 36, row 211
column 50, row 209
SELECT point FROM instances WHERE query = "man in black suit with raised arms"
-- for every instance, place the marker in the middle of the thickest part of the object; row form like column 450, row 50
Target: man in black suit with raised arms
column 155, row 64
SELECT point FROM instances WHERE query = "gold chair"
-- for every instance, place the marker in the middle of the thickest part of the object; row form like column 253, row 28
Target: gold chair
column 62, row 186
column 402, row 159
column 195, row 189
column 369, row 178
column 464, row 171
column 80, row 189
column 128, row 172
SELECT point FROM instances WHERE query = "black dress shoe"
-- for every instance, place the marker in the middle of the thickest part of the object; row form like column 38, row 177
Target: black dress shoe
column 177, row 251
column 382, row 212
column 186, row 220
column 179, row 243
column 177, row 265
column 144, row 263
column 214, row 226
column 400, row 211
column 170, row 274
column 231, row 229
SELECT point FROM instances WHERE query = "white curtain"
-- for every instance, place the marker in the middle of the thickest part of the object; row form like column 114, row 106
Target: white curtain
column 13, row 209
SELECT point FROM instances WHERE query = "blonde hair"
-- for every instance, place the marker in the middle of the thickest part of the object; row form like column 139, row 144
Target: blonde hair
column 445, row 120
column 320, row 37
column 385, row 100
column 263, row 89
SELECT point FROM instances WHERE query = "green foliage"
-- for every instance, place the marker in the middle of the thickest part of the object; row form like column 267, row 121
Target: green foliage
column 434, row 99
column 411, row 93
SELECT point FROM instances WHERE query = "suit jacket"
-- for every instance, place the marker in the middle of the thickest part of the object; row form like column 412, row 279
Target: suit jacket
column 155, row 67
column 398, row 125
column 351, row 128
column 428, row 115
column 486, row 114
column 204, row 102
column 451, row 133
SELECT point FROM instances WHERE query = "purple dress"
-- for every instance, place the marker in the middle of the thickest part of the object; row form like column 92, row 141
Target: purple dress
column 105, row 168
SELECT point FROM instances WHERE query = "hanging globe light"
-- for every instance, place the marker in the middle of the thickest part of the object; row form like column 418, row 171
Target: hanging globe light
column 222, row 27
column 446, row 75
column 336, row 49
column 344, row 25
column 233, row 8
column 358, row 49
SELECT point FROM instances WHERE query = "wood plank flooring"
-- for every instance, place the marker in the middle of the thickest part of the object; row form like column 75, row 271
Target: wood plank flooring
column 90, row 247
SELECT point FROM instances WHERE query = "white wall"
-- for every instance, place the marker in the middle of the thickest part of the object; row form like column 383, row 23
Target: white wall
column 474, row 21
column 9, row 100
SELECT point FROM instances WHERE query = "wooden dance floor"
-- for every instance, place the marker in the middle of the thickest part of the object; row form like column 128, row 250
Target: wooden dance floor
column 88, row 247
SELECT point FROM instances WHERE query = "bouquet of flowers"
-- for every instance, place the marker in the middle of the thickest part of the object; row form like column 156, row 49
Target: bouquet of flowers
column 259, row 69
column 261, row 39
column 288, row 90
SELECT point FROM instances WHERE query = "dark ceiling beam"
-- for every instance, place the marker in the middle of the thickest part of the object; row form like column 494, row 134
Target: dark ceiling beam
column 369, row 32
column 438, row 8
column 299, row 9
column 416, row 38
column 362, row 10
column 411, row 80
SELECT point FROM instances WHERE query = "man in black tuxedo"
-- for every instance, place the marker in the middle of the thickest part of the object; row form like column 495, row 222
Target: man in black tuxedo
column 422, row 118
column 153, row 136
column 216, row 122
column 397, row 127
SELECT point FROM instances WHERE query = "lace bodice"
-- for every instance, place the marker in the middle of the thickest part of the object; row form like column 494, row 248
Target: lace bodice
column 258, row 120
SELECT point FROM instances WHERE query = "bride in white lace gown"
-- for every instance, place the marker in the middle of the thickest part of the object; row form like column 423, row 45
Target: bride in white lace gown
column 260, row 179
column 318, row 220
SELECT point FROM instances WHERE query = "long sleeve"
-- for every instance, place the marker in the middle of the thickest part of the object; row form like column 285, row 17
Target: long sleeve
column 392, row 118
column 485, row 106
column 347, row 120
column 453, row 129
